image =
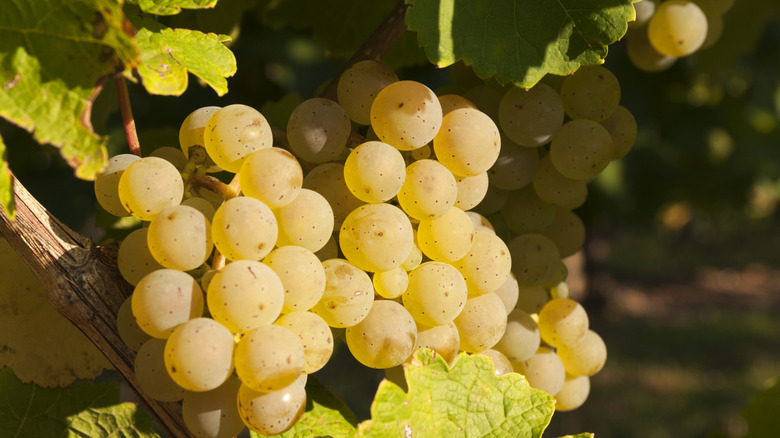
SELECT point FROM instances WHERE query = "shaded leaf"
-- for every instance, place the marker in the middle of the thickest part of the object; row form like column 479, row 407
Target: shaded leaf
column 170, row 7
column 761, row 413
column 6, row 184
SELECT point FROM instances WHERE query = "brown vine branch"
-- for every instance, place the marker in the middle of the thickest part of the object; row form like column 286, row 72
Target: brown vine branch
column 127, row 115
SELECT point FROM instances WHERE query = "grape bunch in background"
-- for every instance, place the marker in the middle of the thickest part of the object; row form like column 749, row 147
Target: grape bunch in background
column 395, row 219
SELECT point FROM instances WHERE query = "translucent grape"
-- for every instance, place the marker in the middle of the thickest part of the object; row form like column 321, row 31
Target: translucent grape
column 487, row 264
column 481, row 223
column 678, row 28
column 451, row 102
column 621, row 126
column 348, row 295
column 151, row 374
column 509, row 292
column 563, row 322
column 329, row 251
column 307, row 221
column 384, row 338
column 172, row 155
column 446, row 238
column 436, row 293
column 501, row 365
column 414, row 259
column 315, row 336
column 391, row 284
column 581, row 150
column 471, row 190
column 244, row 228
column 376, row 237
column 468, row 142
column 193, row 126
column 164, row 299
column 587, row 357
column 443, row 339
column 213, row 414
column 644, row 10
column 521, row 338
column 428, row 191
column 525, row 212
column 134, row 258
column 494, row 199
column 531, row 299
column 406, row 115
column 482, row 323
column 199, row 354
column 107, row 184
column 271, row 175
column 328, row 180
column 544, row 370
column 556, row 189
column 643, row 55
column 318, row 130
column 203, row 205
column 128, row 329
column 515, row 167
column 592, row 93
column 302, row 276
column 179, row 237
column 148, row 185
column 359, row 85
column 535, row 258
column 531, row 117
column 271, row 413
column 269, row 357
column 574, row 392
column 567, row 232
column 233, row 133
column 374, row 171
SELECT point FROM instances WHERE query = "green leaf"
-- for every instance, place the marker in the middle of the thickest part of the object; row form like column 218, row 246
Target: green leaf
column 518, row 41
column 467, row 400
column 86, row 409
column 761, row 413
column 54, row 57
column 6, row 184
column 580, row 435
column 171, row 7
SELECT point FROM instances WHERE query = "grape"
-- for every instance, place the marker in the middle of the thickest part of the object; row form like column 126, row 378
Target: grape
column 406, row 115
column 544, row 370
column 348, row 295
column 436, row 293
column 233, row 133
column 172, row 155
column 128, row 329
column 581, row 150
column 148, row 185
column 359, row 85
column 193, row 126
column 561, row 290
column 318, row 130
column 415, row 257
column 329, row 251
column 307, row 221
column 643, row 55
column 213, row 414
column 421, row 153
column 107, row 184
column 374, row 171
column 531, row 299
column 269, row 357
column 471, row 190
column 501, row 365
column 328, row 180
column 524, row 212
column 134, row 259
column 714, row 31
column 515, row 166
column 567, row 232
column 531, row 117
column 554, row 188
column 481, row 223
column 446, row 238
column 245, row 294
column 165, row 298
column 428, row 191
column 573, row 393
column 591, row 93
column 244, row 228
column 385, row 337
column 494, row 199
column 179, row 237
column 468, row 142
column 644, row 10
column 315, row 336
column 678, row 28
column 396, row 375
column 563, row 322
column 271, row 413
column 487, row 264
column 391, row 284
column 535, row 258
column 621, row 126
column 151, row 373
column 199, row 354
column 521, row 338
column 487, row 98
column 509, row 292
column 376, row 237
column 482, row 323
column 587, row 357
column 451, row 102
column 302, row 276
column 271, row 175
column 442, row 339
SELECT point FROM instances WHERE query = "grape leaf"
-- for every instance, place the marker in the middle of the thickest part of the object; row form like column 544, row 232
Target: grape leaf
column 6, row 185
column 518, row 41
column 467, row 400
column 86, row 409
column 38, row 343
column 171, row 7
column 54, row 56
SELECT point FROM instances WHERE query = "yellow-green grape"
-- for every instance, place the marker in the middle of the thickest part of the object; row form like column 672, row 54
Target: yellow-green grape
column 202, row 205
column 592, row 93
column 509, row 292
column 151, row 373
column 494, row 199
column 271, row 175
column 501, row 365
column 415, row 257
column 468, row 142
column 315, row 336
column 581, row 150
column 471, row 190
column 574, row 392
column 525, row 212
column 107, row 184
column 384, row 338
column 451, row 102
column 621, row 126
column 560, row 290
column 521, row 338
column 193, row 126
column 233, row 133
column 563, row 322
column 269, row 357
column 374, row 171
column 244, row 295
column 348, row 295
column 128, row 329
column 205, row 280
column 482, row 323
column 554, row 188
column 134, row 259
column 544, row 370
column 531, row 117
column 487, row 264
column 302, row 276
column 329, row 251
column 328, row 180
column 164, row 299
column 271, row 413
column 391, row 284
column 481, row 223
column 442, row 339
column 359, row 85
column 643, row 55
column 644, row 10
column 678, row 28
column 213, row 414
column 244, row 228
column 199, row 354
column 421, row 153
column 436, row 293
column 179, row 237
column 428, row 191
column 531, row 299
column 561, row 272
column 585, row 358
column 307, row 221
column 487, row 98
column 535, row 258
column 149, row 185
column 406, row 115
column 567, row 232
column 318, row 130
column 172, row 155
column 376, row 237
column 446, row 238
column 515, row 167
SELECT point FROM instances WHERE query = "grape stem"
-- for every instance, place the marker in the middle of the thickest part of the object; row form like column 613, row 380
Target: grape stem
column 127, row 115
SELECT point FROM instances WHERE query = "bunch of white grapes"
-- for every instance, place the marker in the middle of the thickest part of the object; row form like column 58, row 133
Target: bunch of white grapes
column 665, row 30
column 359, row 224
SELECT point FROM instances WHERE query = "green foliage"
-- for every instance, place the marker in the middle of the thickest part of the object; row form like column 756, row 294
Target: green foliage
column 6, row 185
column 761, row 413
column 170, row 7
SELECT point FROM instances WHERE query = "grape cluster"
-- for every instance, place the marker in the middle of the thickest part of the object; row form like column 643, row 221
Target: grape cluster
column 360, row 224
